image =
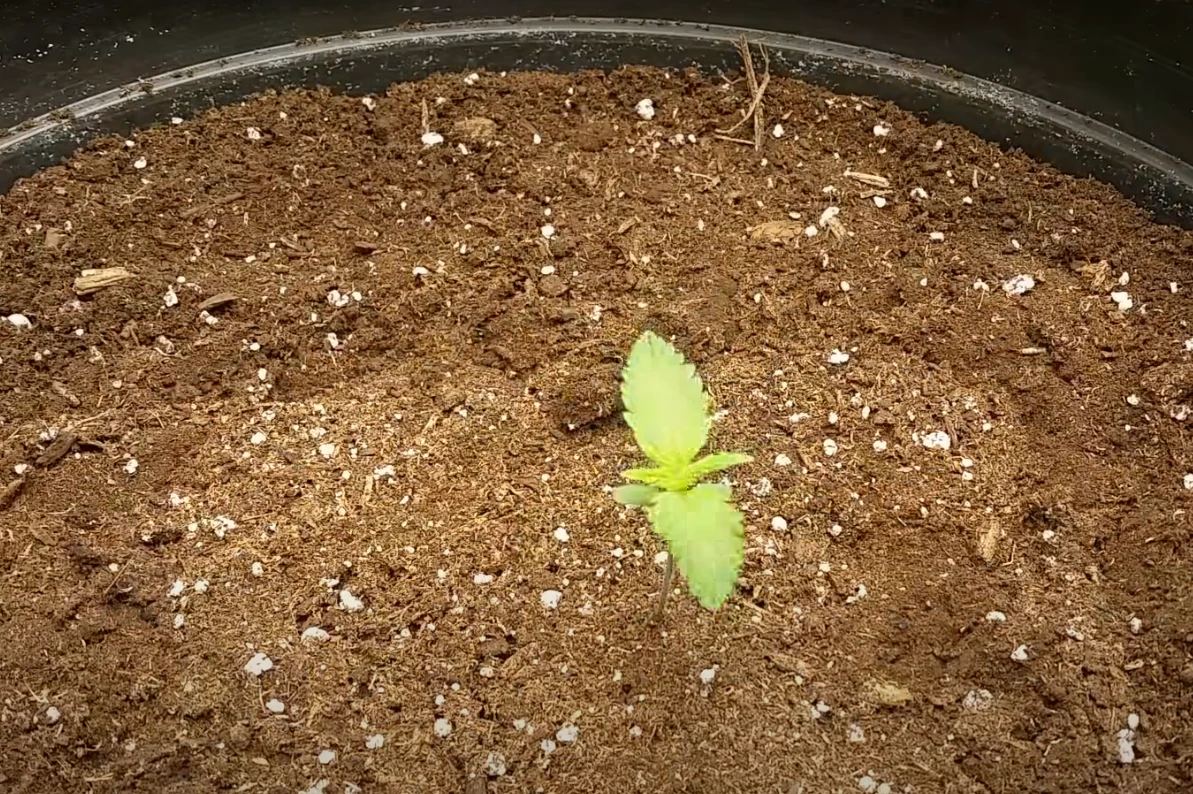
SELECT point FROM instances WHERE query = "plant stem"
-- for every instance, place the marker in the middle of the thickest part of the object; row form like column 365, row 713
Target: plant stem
column 658, row 610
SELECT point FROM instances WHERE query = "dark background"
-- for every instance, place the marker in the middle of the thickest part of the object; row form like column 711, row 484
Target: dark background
column 1128, row 64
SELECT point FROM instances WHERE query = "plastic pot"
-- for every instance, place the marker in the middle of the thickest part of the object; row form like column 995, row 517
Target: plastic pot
column 1073, row 85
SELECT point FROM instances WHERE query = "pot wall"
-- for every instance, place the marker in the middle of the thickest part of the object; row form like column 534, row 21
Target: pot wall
column 1126, row 70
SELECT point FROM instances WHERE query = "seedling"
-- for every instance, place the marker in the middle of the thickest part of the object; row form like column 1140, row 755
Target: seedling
column 668, row 410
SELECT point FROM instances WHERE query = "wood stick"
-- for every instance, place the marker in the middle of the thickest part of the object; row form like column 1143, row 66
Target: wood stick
column 757, row 91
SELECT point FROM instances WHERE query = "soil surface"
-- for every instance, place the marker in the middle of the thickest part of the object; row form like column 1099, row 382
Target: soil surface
column 279, row 509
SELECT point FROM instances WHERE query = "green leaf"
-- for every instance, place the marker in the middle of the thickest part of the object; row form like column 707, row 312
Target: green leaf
column 648, row 476
column 704, row 532
column 637, row 495
column 665, row 402
column 718, row 461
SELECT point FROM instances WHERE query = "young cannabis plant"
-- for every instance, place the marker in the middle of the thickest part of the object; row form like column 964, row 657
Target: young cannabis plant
column 669, row 411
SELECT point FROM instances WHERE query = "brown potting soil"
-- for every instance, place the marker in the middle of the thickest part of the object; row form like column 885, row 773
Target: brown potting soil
column 353, row 416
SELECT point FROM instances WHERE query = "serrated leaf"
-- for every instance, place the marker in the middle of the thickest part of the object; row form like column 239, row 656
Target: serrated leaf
column 704, row 533
column 665, row 403
column 637, row 495
column 718, row 461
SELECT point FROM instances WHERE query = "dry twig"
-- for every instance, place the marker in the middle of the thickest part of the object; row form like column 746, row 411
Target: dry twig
column 757, row 90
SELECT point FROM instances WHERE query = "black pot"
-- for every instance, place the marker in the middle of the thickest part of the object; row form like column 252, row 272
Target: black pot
column 1097, row 90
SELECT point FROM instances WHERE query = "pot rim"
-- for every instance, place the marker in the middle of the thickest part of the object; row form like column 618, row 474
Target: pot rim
column 1146, row 173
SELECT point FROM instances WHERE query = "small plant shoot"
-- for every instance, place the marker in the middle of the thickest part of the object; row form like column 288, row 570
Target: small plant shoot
column 669, row 412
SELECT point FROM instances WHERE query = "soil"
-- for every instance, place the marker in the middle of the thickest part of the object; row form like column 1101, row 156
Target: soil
column 350, row 386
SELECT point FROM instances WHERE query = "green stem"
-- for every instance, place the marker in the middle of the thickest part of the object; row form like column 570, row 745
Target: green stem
column 667, row 573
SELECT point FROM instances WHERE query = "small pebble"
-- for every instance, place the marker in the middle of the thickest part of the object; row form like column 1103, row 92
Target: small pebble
column 548, row 231
column 938, row 439
column 1126, row 746
column 838, row 357
column 936, row 237
column 276, row 706
column 645, row 109
column 882, row 130
column 1019, row 654
column 53, row 715
column 1122, row 300
column 561, row 534
column 257, row 569
column 483, row 578
column 431, row 139
column 830, row 447
column 550, row 598
column 443, row 728
column 315, row 634
column 708, row 675
column 1136, row 625
column 349, row 602
column 880, row 446
column 782, row 460
column 567, row 734
column 996, row 617
column 778, row 524
column 495, row 765
column 879, row 202
column 258, row 664
column 1019, row 285
column 977, row 700
column 375, row 742
column 327, row 756
column 777, row 131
